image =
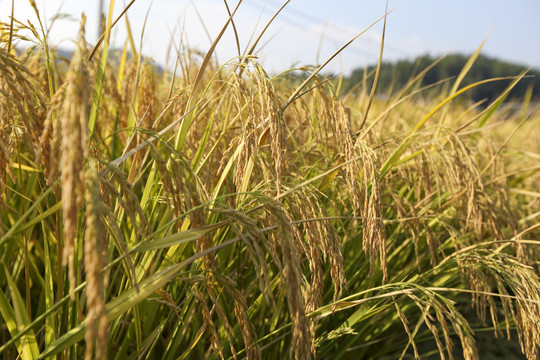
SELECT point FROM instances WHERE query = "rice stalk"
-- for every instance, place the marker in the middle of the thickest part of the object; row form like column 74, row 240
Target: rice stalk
column 97, row 322
column 74, row 143
column 302, row 343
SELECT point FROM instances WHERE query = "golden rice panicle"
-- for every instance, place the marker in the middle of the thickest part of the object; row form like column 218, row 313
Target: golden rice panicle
column 214, row 285
column 6, row 148
column 486, row 270
column 120, row 88
column 301, row 126
column 146, row 97
column 127, row 198
column 464, row 176
column 243, row 96
column 362, row 174
column 445, row 313
column 332, row 247
column 374, row 240
column 96, row 312
column 74, row 139
column 317, row 240
column 21, row 111
column 207, row 316
column 190, row 196
column 171, row 185
column 246, row 228
column 248, row 331
column 38, row 67
column 215, row 288
column 326, row 127
column 498, row 198
column 405, row 323
column 272, row 117
column 363, row 185
column 49, row 143
column 302, row 341
column 307, row 239
column 21, row 98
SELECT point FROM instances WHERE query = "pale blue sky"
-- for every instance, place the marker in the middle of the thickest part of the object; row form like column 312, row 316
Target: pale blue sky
column 308, row 31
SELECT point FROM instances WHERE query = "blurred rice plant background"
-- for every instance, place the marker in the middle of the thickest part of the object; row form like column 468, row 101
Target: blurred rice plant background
column 218, row 211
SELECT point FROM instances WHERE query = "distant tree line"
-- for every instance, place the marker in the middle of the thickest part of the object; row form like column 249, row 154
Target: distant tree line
column 393, row 76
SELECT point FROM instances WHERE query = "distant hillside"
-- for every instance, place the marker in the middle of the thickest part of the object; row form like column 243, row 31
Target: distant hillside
column 395, row 76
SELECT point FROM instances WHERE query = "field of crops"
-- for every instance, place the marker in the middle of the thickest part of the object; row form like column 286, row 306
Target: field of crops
column 226, row 213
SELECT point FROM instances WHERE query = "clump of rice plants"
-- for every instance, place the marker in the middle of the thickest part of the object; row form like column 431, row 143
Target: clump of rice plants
column 218, row 211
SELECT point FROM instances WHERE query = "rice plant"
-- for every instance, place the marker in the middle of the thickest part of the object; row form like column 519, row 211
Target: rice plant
column 219, row 211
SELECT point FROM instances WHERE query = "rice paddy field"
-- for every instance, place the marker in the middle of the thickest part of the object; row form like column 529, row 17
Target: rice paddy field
column 216, row 211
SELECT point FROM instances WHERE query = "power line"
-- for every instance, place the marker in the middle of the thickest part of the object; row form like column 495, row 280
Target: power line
column 310, row 19
column 296, row 24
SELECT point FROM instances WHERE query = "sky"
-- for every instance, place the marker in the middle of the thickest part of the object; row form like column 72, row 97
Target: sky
column 307, row 32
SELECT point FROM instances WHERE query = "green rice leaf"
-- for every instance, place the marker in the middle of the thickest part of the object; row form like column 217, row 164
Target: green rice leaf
column 28, row 342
